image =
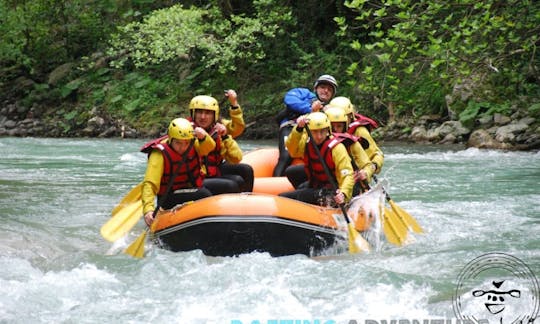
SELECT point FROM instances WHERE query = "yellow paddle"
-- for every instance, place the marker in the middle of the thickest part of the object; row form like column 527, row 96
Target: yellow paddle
column 408, row 221
column 132, row 196
column 405, row 217
column 394, row 230
column 136, row 249
column 356, row 242
column 123, row 221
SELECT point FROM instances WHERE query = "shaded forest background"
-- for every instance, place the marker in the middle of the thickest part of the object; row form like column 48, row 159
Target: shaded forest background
column 138, row 63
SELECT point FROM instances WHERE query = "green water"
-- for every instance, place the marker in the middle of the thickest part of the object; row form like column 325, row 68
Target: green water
column 55, row 268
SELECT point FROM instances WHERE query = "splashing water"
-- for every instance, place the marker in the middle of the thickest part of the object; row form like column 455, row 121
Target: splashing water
column 370, row 206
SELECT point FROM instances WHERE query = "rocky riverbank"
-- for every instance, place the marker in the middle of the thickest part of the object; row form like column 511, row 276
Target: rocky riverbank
column 515, row 132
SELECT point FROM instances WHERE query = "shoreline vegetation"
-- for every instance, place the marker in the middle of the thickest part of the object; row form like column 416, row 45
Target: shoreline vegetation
column 428, row 72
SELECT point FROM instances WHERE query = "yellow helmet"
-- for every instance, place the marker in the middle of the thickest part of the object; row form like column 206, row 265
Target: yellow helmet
column 181, row 129
column 343, row 103
column 336, row 115
column 206, row 103
column 318, row 120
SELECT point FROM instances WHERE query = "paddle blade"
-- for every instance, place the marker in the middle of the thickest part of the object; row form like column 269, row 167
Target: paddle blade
column 132, row 196
column 357, row 243
column 136, row 249
column 394, row 230
column 409, row 221
column 122, row 222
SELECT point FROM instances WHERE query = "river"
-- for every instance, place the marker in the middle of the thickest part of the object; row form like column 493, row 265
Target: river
column 56, row 268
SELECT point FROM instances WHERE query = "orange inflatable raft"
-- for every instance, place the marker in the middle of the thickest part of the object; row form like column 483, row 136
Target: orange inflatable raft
column 263, row 162
column 233, row 224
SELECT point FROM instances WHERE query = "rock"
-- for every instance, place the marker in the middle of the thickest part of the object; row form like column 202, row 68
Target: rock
column 480, row 138
column 527, row 121
column 60, row 73
column 96, row 124
column 508, row 133
column 500, row 119
column 433, row 134
column 448, row 139
column 21, row 85
column 10, row 124
column 419, row 134
column 109, row 132
column 484, row 122
column 453, row 127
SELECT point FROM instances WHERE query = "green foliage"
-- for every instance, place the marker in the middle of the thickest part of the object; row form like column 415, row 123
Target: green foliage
column 401, row 43
column 137, row 93
column 176, row 33
column 534, row 109
column 403, row 54
column 40, row 34
column 475, row 110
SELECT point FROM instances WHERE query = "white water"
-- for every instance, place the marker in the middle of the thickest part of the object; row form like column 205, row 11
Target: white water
column 56, row 193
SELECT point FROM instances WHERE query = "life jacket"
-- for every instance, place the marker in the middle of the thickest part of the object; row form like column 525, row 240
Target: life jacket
column 214, row 159
column 314, row 167
column 362, row 120
column 185, row 167
column 149, row 146
column 347, row 140
column 368, row 123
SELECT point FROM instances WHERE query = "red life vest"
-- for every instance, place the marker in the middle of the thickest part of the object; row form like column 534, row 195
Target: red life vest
column 214, row 159
column 362, row 120
column 313, row 166
column 347, row 140
column 186, row 167
column 364, row 123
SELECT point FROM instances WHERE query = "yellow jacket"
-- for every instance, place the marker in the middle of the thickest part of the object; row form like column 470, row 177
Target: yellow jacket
column 235, row 125
column 154, row 171
column 361, row 159
column 230, row 150
column 373, row 151
column 296, row 145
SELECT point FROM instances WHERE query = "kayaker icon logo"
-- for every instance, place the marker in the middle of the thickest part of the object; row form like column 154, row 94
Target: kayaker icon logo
column 497, row 288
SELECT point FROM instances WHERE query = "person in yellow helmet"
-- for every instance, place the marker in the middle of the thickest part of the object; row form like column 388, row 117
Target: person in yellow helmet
column 361, row 162
column 334, row 155
column 173, row 172
column 361, row 127
column 224, row 172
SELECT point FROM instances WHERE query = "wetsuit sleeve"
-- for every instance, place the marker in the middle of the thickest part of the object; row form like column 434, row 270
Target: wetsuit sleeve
column 296, row 143
column 344, row 170
column 236, row 125
column 373, row 151
column 230, row 150
column 205, row 146
column 361, row 159
column 152, row 180
column 299, row 100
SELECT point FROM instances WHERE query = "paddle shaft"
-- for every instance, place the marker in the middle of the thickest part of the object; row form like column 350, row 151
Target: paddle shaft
column 405, row 217
column 386, row 194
